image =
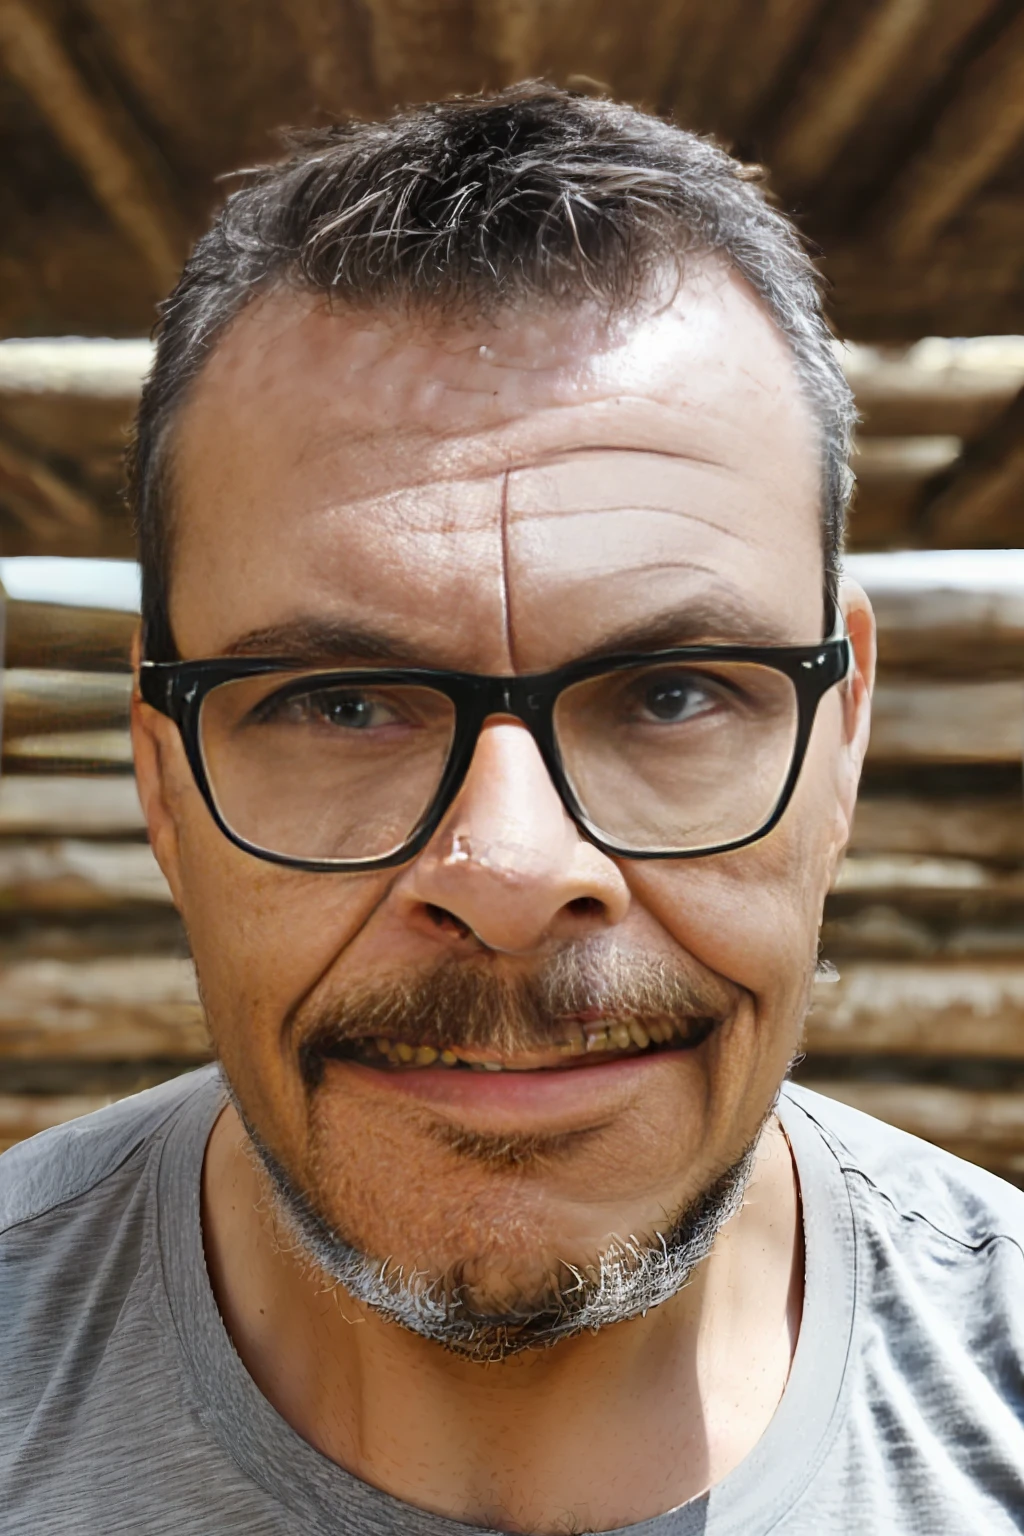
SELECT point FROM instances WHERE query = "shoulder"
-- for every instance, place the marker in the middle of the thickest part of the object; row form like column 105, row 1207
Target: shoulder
column 67, row 1162
column 911, row 1182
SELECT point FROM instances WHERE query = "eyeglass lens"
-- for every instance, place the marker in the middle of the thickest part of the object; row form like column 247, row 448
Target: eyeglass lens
column 660, row 757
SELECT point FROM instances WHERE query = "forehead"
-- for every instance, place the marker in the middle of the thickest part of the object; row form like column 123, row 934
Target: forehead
column 508, row 487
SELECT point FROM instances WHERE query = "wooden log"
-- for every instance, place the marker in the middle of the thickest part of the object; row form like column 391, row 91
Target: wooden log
column 57, row 636
column 910, row 875
column 950, row 390
column 972, row 828
column 36, row 701
column 123, row 1008
column 47, row 504
column 57, row 876
column 831, row 98
column 984, row 1126
column 980, row 126
column 946, row 630
column 99, row 806
column 69, row 752
column 100, row 137
column 948, row 722
column 23, row 1115
column 928, row 1009
column 984, row 488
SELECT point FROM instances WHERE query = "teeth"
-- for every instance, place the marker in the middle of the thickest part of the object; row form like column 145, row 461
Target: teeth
column 639, row 1035
column 425, row 1056
column 449, row 1058
column 620, row 1036
column 617, row 1035
column 404, row 1051
column 598, row 1040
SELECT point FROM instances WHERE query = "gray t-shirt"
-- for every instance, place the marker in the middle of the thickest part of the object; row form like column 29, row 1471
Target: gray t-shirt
column 125, row 1409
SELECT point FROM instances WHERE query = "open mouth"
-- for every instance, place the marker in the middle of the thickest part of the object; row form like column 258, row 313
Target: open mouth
column 584, row 1043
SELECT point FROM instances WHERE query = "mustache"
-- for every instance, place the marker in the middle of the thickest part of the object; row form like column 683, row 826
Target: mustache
column 461, row 1005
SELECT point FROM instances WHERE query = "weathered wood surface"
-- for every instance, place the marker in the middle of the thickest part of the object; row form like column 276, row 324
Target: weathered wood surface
column 37, row 701
column 24, row 1115
column 54, row 875
column 956, row 394
column 969, row 827
column 984, row 1126
column 123, row 1008
column 65, row 752
column 929, row 1010
column 948, row 722
column 913, row 874
column 57, row 636
column 947, row 631
column 100, row 805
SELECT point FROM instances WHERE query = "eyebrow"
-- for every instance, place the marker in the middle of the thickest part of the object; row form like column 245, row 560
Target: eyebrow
column 720, row 620
column 312, row 641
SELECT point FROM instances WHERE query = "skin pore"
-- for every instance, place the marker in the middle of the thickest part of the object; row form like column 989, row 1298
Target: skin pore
column 506, row 497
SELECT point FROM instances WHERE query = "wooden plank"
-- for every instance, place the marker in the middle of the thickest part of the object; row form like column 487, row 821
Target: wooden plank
column 60, row 875
column 68, row 805
column 979, row 128
column 834, row 93
column 121, row 1008
column 56, row 635
column 909, row 875
column 68, row 752
column 984, row 1126
column 102, row 140
column 929, row 1009
column 947, row 722
column 973, row 828
column 23, row 1115
column 945, row 630
column 984, row 488
column 953, row 391
column 37, row 701
column 47, row 504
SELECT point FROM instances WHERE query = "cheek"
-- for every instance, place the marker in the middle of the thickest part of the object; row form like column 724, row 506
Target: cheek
column 753, row 915
column 262, row 937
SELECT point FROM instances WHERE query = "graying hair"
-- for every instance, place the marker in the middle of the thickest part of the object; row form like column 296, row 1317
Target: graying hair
column 628, row 1279
column 468, row 206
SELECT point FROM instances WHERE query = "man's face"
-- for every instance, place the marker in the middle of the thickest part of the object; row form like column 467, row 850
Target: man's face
column 501, row 499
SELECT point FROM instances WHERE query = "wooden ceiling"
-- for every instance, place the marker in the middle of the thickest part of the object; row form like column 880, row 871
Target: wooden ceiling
column 893, row 129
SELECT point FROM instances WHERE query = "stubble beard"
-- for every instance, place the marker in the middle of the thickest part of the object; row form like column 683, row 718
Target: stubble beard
column 627, row 1278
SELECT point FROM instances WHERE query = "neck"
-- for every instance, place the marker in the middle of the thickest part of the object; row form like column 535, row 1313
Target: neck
column 598, row 1432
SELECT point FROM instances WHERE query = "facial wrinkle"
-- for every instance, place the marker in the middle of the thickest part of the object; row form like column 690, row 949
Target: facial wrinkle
column 506, row 585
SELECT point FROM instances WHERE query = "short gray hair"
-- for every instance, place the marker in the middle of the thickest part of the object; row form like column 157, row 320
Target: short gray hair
column 467, row 206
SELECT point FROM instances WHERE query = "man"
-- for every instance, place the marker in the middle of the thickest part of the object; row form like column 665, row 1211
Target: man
column 499, row 729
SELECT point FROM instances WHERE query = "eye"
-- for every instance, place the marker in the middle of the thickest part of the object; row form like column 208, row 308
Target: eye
column 342, row 708
column 675, row 698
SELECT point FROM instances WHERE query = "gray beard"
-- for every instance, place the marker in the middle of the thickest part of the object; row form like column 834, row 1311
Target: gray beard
column 626, row 1280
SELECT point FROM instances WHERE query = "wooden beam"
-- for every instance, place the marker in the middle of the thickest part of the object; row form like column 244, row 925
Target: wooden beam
column 979, row 128
column 833, row 94
column 62, row 875
column 946, row 389
column 121, row 169
column 946, row 630
column 779, row 28
column 41, row 499
column 123, row 1008
column 55, row 635
column 26, row 1114
column 974, row 828
column 984, row 489
column 948, row 723
column 930, row 1009
column 917, row 876
column 100, row 806
column 986, row 1127
column 37, row 701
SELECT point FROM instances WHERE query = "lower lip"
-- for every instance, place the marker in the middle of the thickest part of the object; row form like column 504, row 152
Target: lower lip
column 521, row 1100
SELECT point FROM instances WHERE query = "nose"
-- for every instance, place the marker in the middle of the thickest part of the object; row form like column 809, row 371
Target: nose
column 507, row 862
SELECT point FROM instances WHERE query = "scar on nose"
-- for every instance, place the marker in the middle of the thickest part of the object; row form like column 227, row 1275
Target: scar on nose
column 510, row 862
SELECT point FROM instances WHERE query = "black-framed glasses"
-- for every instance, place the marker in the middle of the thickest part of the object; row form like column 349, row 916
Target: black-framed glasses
column 671, row 754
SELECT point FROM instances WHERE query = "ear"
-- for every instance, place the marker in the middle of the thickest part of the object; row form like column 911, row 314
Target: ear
column 859, row 619
column 157, row 751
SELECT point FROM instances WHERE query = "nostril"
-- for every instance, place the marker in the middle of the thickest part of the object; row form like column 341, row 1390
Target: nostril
column 442, row 918
column 586, row 906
